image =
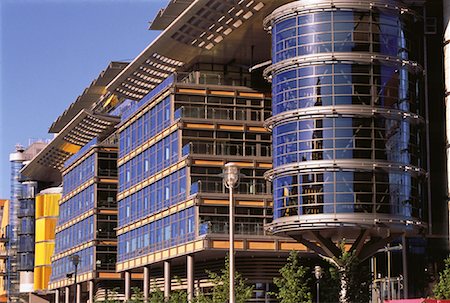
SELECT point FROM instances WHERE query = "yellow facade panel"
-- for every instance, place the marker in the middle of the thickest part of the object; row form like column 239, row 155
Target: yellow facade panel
column 292, row 246
column 43, row 253
column 41, row 277
column 47, row 211
column 70, row 148
column 259, row 245
column 45, row 229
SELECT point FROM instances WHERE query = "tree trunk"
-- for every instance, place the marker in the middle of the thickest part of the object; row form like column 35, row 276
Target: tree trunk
column 343, row 291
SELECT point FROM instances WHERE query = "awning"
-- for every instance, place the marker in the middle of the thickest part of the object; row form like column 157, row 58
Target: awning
column 89, row 96
column 47, row 165
column 198, row 32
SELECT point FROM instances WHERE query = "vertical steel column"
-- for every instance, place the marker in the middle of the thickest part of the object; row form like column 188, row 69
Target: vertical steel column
column 167, row 280
column 146, row 282
column 67, row 294
column 78, row 293
column 446, row 5
column 231, row 253
column 91, row 291
column 127, row 285
column 190, row 277
column 405, row 267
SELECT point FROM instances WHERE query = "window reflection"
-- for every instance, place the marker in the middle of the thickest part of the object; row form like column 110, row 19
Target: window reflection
column 331, row 192
column 395, row 141
column 340, row 31
column 345, row 84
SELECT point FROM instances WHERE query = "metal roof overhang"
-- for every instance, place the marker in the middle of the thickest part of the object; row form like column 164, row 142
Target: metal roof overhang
column 166, row 15
column 89, row 96
column 47, row 165
column 214, row 31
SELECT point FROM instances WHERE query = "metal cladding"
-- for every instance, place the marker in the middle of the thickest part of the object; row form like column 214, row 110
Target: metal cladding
column 348, row 126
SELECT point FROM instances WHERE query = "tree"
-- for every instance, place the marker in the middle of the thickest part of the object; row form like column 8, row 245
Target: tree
column 355, row 278
column 220, row 291
column 442, row 289
column 111, row 296
column 137, row 296
column 156, row 295
column 293, row 284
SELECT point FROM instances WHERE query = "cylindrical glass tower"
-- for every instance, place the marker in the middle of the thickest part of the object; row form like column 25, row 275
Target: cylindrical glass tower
column 12, row 277
column 348, row 127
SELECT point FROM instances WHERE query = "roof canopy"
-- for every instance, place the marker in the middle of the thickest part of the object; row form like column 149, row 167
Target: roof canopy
column 47, row 165
column 89, row 96
column 216, row 31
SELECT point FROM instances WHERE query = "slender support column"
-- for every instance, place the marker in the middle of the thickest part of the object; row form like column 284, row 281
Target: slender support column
column 405, row 267
column 127, row 285
column 57, row 296
column 78, row 300
column 231, row 253
column 67, row 295
column 190, row 277
column 167, row 279
column 146, row 283
column 91, row 292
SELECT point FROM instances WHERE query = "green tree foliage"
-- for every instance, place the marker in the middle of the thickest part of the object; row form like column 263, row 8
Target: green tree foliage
column 137, row 295
column 442, row 289
column 330, row 286
column 293, row 284
column 220, row 290
column 156, row 295
column 355, row 277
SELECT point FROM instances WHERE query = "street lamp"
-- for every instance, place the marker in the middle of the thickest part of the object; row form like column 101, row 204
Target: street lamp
column 75, row 261
column 318, row 275
column 230, row 180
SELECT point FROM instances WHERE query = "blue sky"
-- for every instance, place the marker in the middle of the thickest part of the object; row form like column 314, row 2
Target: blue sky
column 51, row 50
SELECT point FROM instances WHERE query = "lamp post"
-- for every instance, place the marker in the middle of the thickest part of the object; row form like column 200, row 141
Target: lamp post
column 75, row 261
column 318, row 275
column 230, row 180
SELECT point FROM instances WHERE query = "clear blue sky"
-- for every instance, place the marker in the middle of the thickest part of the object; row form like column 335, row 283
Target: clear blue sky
column 51, row 50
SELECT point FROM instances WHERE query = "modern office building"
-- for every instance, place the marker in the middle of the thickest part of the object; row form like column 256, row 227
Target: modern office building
column 173, row 204
column 357, row 134
column 46, row 214
column 83, row 158
column 20, row 230
column 4, row 209
column 333, row 110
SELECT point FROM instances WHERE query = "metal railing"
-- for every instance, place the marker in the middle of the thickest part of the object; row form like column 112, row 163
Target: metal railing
column 219, row 227
column 226, row 149
column 106, row 235
column 107, row 172
column 222, row 113
column 248, row 188
column 106, row 266
column 106, row 204
column 387, row 289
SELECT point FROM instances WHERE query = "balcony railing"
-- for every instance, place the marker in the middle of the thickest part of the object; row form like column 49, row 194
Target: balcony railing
column 106, row 172
column 222, row 114
column 219, row 227
column 106, row 266
column 226, row 149
column 247, row 188
column 106, row 235
column 106, row 204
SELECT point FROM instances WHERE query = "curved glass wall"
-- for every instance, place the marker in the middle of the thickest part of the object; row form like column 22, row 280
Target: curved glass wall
column 347, row 128
column 388, row 33
column 391, row 86
column 337, row 137
column 340, row 191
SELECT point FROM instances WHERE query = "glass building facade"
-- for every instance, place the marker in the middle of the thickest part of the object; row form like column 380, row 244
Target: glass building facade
column 348, row 126
column 87, row 220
